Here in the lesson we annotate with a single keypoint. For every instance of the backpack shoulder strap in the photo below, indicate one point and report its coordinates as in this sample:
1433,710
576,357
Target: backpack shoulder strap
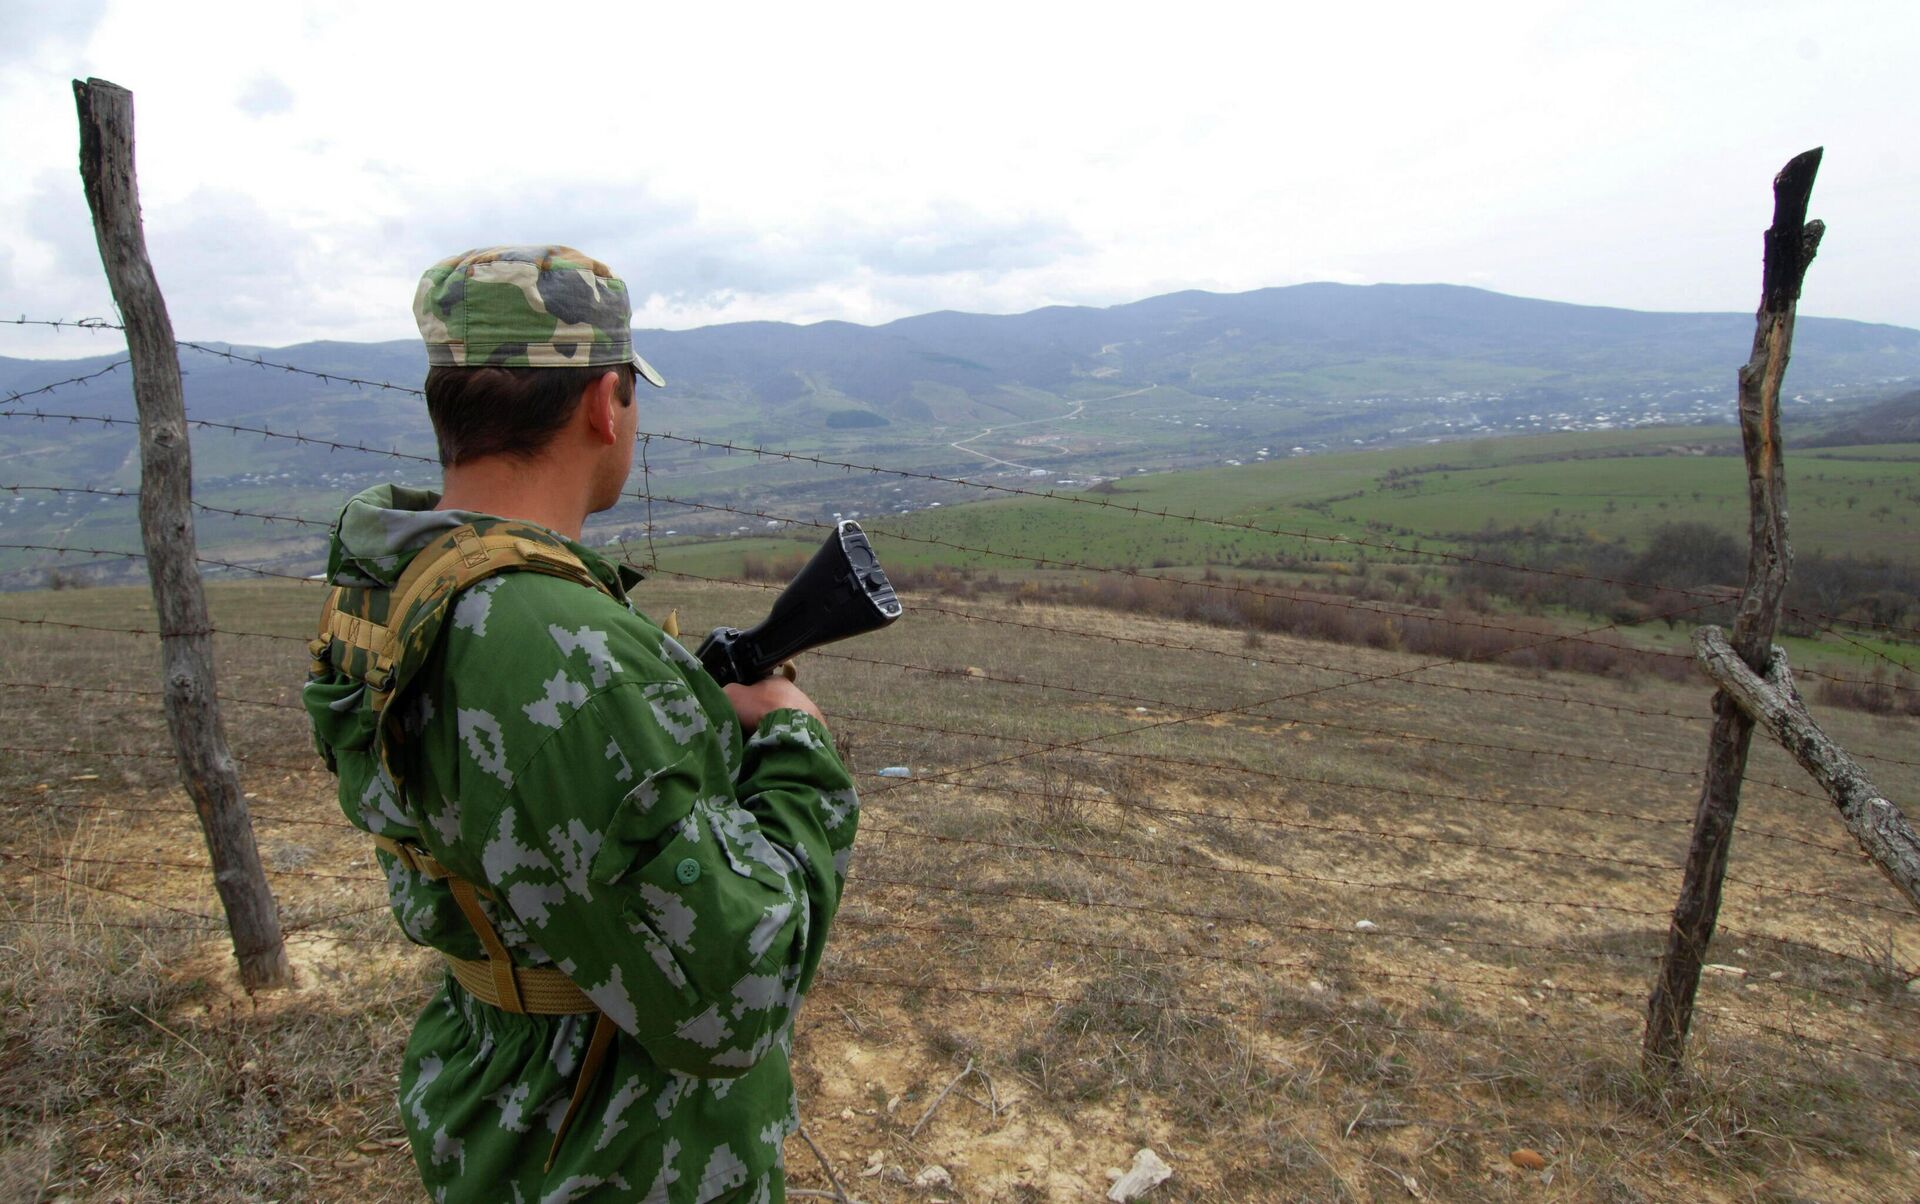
381,636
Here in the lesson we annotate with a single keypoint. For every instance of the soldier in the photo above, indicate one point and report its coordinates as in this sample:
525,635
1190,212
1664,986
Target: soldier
629,871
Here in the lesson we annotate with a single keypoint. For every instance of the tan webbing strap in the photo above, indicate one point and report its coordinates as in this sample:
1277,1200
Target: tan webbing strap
415,858
355,632
506,987
321,645
443,572
352,632
541,990
544,990
473,557
449,569
525,990
590,1063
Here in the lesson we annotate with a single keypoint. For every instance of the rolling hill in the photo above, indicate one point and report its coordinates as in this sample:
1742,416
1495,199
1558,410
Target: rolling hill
1186,380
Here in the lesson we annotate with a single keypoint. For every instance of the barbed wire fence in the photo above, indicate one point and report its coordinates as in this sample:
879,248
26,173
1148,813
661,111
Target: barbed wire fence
969,777
942,877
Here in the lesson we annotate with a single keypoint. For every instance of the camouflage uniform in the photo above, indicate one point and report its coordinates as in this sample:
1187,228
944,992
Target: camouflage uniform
561,752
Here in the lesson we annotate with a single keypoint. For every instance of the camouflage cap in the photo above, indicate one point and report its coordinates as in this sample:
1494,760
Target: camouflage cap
526,307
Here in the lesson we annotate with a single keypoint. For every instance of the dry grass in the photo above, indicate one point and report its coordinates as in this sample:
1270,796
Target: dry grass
1120,970
131,1075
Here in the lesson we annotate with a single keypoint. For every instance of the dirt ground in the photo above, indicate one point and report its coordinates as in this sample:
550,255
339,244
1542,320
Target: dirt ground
1304,938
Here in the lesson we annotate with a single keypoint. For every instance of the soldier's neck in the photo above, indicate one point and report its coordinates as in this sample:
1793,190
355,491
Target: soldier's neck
531,491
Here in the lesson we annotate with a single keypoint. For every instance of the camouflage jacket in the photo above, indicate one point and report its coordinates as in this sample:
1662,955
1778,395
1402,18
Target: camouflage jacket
564,753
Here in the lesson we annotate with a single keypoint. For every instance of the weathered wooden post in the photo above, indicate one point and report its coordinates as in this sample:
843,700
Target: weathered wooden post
1774,703
1790,246
166,529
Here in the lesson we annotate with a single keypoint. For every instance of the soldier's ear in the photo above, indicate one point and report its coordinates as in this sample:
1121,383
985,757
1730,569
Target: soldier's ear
599,403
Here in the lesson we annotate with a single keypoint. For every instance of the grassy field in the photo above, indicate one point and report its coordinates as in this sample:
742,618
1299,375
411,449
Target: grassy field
1845,501
1314,922
1373,509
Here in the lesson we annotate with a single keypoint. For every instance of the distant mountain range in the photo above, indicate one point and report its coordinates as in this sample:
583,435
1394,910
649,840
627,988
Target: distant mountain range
1309,342
1177,380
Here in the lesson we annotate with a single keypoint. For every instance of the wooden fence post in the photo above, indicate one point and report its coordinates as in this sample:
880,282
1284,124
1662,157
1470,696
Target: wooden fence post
166,529
1774,703
1790,246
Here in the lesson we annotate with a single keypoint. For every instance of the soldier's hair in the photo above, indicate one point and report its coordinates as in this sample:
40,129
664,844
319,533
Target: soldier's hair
480,412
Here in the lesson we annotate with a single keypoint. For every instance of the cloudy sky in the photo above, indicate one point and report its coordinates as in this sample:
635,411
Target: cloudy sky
301,163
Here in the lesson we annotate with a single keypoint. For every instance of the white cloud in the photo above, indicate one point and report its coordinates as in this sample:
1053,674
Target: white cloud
869,161
264,96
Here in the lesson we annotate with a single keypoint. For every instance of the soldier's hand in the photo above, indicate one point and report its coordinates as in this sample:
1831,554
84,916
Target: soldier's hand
753,702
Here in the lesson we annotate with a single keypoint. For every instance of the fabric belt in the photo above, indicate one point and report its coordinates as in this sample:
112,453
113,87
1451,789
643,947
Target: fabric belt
497,982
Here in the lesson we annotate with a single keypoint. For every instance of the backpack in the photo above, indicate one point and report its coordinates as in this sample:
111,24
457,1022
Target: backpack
377,639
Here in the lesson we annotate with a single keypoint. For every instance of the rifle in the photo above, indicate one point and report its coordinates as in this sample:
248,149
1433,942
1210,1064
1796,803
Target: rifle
841,592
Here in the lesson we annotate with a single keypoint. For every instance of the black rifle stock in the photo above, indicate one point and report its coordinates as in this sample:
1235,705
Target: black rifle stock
841,592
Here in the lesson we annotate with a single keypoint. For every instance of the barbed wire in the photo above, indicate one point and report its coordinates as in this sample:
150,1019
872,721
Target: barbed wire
1814,618
201,867
13,398
790,455
1040,747
226,353
372,880
1248,656
1211,766
1084,499
836,974
1445,942
1870,650
1710,596
1841,679
65,323
1204,711
65,688
1119,697
300,925
1212,917
210,924
1018,681
53,802
1201,710
108,890
325,377
1903,912
236,428
1254,658
1852,857
96,553
1371,788
1219,586
149,755
1296,825
1184,866
197,504
144,631
1122,698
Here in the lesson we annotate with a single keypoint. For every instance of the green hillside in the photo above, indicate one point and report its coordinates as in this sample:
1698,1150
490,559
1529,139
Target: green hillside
1612,485
1598,507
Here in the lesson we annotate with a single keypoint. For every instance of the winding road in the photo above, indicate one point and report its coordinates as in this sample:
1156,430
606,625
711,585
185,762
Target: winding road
1078,409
